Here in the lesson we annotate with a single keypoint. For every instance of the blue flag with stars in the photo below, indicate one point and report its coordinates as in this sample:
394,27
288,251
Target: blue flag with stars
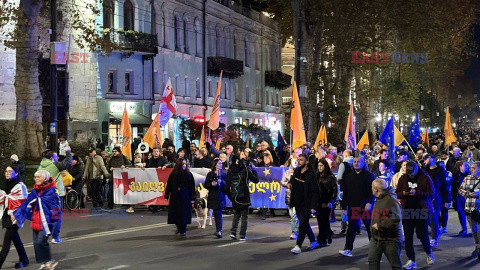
281,144
388,138
414,131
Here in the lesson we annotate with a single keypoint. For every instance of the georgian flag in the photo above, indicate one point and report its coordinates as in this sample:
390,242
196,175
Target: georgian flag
169,104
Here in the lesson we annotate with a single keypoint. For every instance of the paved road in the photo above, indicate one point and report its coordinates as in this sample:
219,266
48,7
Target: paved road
144,241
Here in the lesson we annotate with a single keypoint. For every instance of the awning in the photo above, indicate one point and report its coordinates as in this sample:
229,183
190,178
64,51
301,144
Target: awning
135,118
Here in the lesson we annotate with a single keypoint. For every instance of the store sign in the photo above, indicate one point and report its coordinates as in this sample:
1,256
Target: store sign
118,107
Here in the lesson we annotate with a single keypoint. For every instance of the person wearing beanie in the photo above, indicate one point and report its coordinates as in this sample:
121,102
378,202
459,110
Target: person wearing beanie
19,167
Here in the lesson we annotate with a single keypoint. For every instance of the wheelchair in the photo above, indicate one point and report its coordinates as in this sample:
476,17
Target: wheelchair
72,198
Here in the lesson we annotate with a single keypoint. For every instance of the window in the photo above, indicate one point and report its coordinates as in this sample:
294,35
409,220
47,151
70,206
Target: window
198,88
225,91
238,120
268,98
219,42
257,57
247,54
187,87
247,94
128,16
112,81
258,97
164,28
177,84
278,99
235,45
153,17
210,92
177,31
198,38
237,93
108,11
155,82
129,82
210,42
267,58
185,37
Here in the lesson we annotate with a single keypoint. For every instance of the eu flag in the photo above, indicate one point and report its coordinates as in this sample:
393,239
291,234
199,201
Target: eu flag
388,138
281,144
414,131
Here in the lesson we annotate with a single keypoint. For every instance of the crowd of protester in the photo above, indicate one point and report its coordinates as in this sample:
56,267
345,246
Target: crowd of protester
425,182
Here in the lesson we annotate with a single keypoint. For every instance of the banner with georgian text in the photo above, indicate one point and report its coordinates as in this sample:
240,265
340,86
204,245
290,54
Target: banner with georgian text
147,187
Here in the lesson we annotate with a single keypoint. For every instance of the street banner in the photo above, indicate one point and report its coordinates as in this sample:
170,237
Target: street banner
147,187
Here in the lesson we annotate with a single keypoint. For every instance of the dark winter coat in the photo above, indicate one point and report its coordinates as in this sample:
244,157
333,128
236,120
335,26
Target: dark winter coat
118,161
457,181
246,174
328,189
157,162
216,194
424,191
357,188
306,184
387,214
439,181
202,163
180,192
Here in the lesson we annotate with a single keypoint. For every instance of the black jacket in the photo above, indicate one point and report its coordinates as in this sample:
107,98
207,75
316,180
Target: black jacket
202,163
246,174
357,188
76,172
328,188
216,194
156,162
440,184
306,182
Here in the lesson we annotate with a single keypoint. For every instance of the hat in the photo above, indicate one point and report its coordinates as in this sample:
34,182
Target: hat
117,148
14,157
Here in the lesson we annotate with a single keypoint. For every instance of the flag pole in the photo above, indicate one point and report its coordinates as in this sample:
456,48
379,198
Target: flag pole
409,146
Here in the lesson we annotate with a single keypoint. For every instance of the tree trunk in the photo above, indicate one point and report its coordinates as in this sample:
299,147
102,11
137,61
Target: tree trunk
28,125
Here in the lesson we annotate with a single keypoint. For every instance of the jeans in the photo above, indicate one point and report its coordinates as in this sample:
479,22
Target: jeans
57,225
353,226
433,222
460,208
41,247
304,228
324,230
77,185
11,235
474,228
420,226
240,213
391,249
217,215
294,220
95,189
444,215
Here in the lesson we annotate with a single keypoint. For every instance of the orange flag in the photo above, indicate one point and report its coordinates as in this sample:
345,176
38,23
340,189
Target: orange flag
363,141
215,116
449,136
153,135
324,137
126,135
217,144
296,121
319,138
350,138
202,139
424,136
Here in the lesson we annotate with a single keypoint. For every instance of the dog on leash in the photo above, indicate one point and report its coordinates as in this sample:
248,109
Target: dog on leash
201,209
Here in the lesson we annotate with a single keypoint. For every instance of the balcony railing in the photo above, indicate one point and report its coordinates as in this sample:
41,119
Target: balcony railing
231,68
277,79
133,41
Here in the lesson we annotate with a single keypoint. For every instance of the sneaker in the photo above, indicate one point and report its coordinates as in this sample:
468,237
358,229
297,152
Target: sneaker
476,252
410,265
49,265
233,236
463,233
296,250
314,245
433,243
359,232
329,241
218,234
430,259
243,238
346,253
21,265
293,236
183,234
343,231
56,241
130,210
444,230
332,220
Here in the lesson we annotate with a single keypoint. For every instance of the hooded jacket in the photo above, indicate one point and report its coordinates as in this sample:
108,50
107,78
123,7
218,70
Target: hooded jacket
54,168
387,214
423,192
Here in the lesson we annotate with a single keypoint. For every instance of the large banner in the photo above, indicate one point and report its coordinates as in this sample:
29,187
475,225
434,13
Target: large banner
147,187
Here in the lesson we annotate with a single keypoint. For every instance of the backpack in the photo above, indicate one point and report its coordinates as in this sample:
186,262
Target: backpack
237,187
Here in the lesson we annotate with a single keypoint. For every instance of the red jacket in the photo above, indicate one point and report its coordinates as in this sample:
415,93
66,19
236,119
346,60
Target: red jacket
36,223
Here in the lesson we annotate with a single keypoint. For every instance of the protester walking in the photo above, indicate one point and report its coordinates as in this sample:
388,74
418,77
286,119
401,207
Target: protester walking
180,193
93,175
216,185
470,189
328,188
459,175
